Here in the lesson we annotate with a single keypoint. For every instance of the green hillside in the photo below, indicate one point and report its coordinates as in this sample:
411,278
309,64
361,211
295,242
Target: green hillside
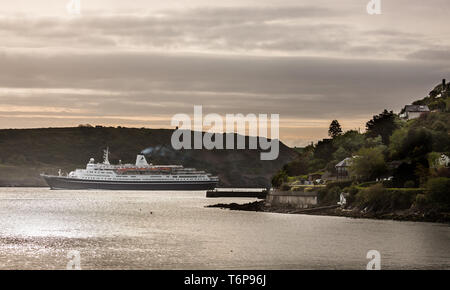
437,99
396,164
24,153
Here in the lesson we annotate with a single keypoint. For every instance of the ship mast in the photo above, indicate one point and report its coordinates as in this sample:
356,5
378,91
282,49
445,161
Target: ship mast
106,156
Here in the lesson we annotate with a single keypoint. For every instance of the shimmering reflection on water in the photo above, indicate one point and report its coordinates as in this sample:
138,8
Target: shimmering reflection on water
173,230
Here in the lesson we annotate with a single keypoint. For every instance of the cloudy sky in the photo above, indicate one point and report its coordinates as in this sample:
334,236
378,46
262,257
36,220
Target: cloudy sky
137,63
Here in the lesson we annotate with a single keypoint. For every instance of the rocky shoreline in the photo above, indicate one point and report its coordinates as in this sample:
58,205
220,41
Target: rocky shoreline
404,215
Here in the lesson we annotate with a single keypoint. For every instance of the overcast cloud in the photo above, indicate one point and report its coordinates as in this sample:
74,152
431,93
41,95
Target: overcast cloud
140,63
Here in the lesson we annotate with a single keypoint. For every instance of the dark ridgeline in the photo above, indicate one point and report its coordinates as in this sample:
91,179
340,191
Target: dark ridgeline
24,153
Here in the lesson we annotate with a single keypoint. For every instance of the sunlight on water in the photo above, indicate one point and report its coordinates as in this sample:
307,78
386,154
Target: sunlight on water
174,230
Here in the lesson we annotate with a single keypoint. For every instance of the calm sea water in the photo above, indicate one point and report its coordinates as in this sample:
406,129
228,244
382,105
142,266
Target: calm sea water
174,230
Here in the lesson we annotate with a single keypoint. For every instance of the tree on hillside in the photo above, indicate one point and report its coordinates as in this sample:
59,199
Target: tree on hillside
279,178
347,143
417,143
396,142
341,154
382,125
369,163
373,142
438,191
324,149
335,129
297,167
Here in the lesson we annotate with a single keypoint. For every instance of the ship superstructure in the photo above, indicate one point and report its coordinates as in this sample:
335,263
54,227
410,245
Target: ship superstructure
138,176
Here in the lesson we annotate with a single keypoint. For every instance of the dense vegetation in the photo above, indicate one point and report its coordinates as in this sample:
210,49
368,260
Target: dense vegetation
26,153
394,165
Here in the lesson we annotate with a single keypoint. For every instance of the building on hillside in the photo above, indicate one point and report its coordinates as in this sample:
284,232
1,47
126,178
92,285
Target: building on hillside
441,90
442,161
343,167
414,111
444,88
314,176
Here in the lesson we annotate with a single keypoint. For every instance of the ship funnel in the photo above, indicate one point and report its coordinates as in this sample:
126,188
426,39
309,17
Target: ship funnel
141,161
106,156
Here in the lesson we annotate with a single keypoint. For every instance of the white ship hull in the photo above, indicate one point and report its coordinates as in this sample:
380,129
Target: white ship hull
139,176
61,182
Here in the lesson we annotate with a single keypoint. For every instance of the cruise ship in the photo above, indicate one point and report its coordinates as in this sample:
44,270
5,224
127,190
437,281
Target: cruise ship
139,176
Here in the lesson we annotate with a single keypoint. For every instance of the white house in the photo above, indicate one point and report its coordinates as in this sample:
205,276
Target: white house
444,160
414,111
343,167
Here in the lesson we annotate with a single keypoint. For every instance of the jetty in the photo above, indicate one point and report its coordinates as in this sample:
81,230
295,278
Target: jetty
260,193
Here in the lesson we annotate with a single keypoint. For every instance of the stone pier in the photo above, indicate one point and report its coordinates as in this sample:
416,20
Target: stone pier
298,199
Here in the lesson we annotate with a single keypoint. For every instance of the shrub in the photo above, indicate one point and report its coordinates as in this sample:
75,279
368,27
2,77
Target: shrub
404,173
439,126
369,164
340,184
367,184
329,196
352,190
443,172
373,197
387,183
296,167
438,191
285,187
279,178
378,198
321,194
417,143
421,200
402,198
409,184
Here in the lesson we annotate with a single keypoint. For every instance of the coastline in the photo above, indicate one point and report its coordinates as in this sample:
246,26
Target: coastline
23,186
403,215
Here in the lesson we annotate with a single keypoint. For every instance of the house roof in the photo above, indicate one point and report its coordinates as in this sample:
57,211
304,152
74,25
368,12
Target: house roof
345,163
416,108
